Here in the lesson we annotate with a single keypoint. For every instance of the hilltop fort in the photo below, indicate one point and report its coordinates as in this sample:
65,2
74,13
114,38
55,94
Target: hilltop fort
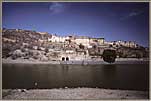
43,46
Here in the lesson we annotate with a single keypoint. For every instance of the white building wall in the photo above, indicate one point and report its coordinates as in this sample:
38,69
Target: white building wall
57,39
84,42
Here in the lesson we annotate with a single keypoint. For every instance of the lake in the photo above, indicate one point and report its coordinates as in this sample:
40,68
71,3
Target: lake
41,76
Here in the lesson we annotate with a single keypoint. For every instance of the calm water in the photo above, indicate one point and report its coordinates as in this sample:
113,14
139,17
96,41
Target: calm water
122,76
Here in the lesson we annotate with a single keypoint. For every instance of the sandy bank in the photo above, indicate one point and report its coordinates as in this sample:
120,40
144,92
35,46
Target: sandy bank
74,93
85,62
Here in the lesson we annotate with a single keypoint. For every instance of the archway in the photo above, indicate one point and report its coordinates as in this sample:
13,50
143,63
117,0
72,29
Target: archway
67,58
63,58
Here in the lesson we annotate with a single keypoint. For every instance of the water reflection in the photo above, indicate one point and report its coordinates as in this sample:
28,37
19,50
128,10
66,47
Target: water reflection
109,70
110,75
65,67
56,76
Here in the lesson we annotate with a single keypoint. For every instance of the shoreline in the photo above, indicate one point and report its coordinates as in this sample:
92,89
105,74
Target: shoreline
82,62
72,93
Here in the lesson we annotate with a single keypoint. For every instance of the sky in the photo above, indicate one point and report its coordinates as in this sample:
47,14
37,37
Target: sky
127,21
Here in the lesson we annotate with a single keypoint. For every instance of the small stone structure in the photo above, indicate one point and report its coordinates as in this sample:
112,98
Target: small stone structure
65,58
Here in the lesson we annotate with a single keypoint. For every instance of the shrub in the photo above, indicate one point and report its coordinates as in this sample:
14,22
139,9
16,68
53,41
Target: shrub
109,55
81,46
138,55
14,57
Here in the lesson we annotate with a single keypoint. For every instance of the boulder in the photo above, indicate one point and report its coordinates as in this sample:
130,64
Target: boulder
43,58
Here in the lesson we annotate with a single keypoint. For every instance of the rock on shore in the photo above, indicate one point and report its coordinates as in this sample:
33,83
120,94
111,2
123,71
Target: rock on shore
73,93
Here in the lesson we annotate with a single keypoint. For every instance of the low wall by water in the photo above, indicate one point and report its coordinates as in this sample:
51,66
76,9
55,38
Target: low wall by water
85,62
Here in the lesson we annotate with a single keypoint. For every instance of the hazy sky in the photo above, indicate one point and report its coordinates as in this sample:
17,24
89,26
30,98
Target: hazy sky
111,20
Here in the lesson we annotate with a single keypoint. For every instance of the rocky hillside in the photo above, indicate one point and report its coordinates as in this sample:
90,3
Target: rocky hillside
13,39
127,52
